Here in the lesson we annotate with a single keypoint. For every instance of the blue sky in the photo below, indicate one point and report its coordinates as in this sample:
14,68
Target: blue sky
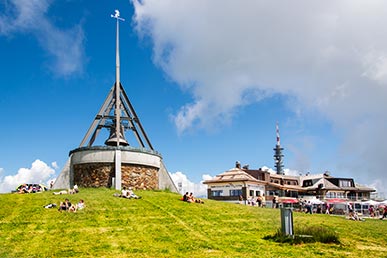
208,79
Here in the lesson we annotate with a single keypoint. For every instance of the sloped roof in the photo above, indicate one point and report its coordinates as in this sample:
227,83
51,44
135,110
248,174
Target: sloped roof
232,175
327,185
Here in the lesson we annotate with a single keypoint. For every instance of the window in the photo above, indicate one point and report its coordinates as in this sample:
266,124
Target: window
331,195
273,192
235,192
251,192
217,193
307,183
345,183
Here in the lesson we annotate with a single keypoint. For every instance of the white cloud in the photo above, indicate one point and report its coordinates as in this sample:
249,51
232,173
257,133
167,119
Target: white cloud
287,171
291,172
54,165
185,185
326,58
39,172
65,46
270,170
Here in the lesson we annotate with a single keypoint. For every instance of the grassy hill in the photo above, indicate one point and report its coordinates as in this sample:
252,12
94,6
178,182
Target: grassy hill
159,225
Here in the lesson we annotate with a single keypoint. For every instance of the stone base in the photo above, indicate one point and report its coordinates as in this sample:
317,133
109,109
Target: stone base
102,174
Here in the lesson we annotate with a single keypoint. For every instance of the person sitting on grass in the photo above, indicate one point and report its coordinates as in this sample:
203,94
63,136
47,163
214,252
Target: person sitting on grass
64,206
131,194
124,193
355,216
191,198
128,193
185,197
23,189
81,204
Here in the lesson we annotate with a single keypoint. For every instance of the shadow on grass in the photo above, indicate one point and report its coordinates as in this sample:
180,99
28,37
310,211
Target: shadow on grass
306,235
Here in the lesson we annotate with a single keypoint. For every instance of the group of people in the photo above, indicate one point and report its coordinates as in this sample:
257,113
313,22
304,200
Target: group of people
68,206
128,193
30,188
260,201
376,211
190,198
70,191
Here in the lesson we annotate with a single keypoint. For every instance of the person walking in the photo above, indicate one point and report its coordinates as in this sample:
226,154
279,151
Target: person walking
384,212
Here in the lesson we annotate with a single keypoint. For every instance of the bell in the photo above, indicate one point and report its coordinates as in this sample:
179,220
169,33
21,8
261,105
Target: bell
112,140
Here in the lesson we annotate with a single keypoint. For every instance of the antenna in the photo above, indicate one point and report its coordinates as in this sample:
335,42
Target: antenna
117,110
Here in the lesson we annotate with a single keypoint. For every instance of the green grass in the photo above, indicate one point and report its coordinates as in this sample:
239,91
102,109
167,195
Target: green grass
159,225
309,234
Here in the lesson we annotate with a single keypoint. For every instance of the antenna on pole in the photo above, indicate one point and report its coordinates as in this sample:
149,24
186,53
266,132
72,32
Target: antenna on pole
277,133
117,110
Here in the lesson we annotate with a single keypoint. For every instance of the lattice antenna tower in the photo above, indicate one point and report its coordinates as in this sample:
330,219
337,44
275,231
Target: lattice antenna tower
278,156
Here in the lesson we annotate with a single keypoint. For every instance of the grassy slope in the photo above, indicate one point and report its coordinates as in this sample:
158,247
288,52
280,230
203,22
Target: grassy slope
159,225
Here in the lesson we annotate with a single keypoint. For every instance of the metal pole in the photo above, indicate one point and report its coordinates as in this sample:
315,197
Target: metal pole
118,104
117,110
118,83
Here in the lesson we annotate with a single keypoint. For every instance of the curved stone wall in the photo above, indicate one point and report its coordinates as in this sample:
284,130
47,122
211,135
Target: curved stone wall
95,167
102,174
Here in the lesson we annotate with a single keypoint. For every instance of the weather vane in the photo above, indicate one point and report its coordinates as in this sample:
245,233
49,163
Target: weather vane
117,15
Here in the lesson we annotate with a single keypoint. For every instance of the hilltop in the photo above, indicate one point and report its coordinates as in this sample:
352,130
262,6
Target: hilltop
160,225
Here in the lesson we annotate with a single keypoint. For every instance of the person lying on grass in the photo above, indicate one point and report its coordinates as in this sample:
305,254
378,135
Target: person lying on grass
64,206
